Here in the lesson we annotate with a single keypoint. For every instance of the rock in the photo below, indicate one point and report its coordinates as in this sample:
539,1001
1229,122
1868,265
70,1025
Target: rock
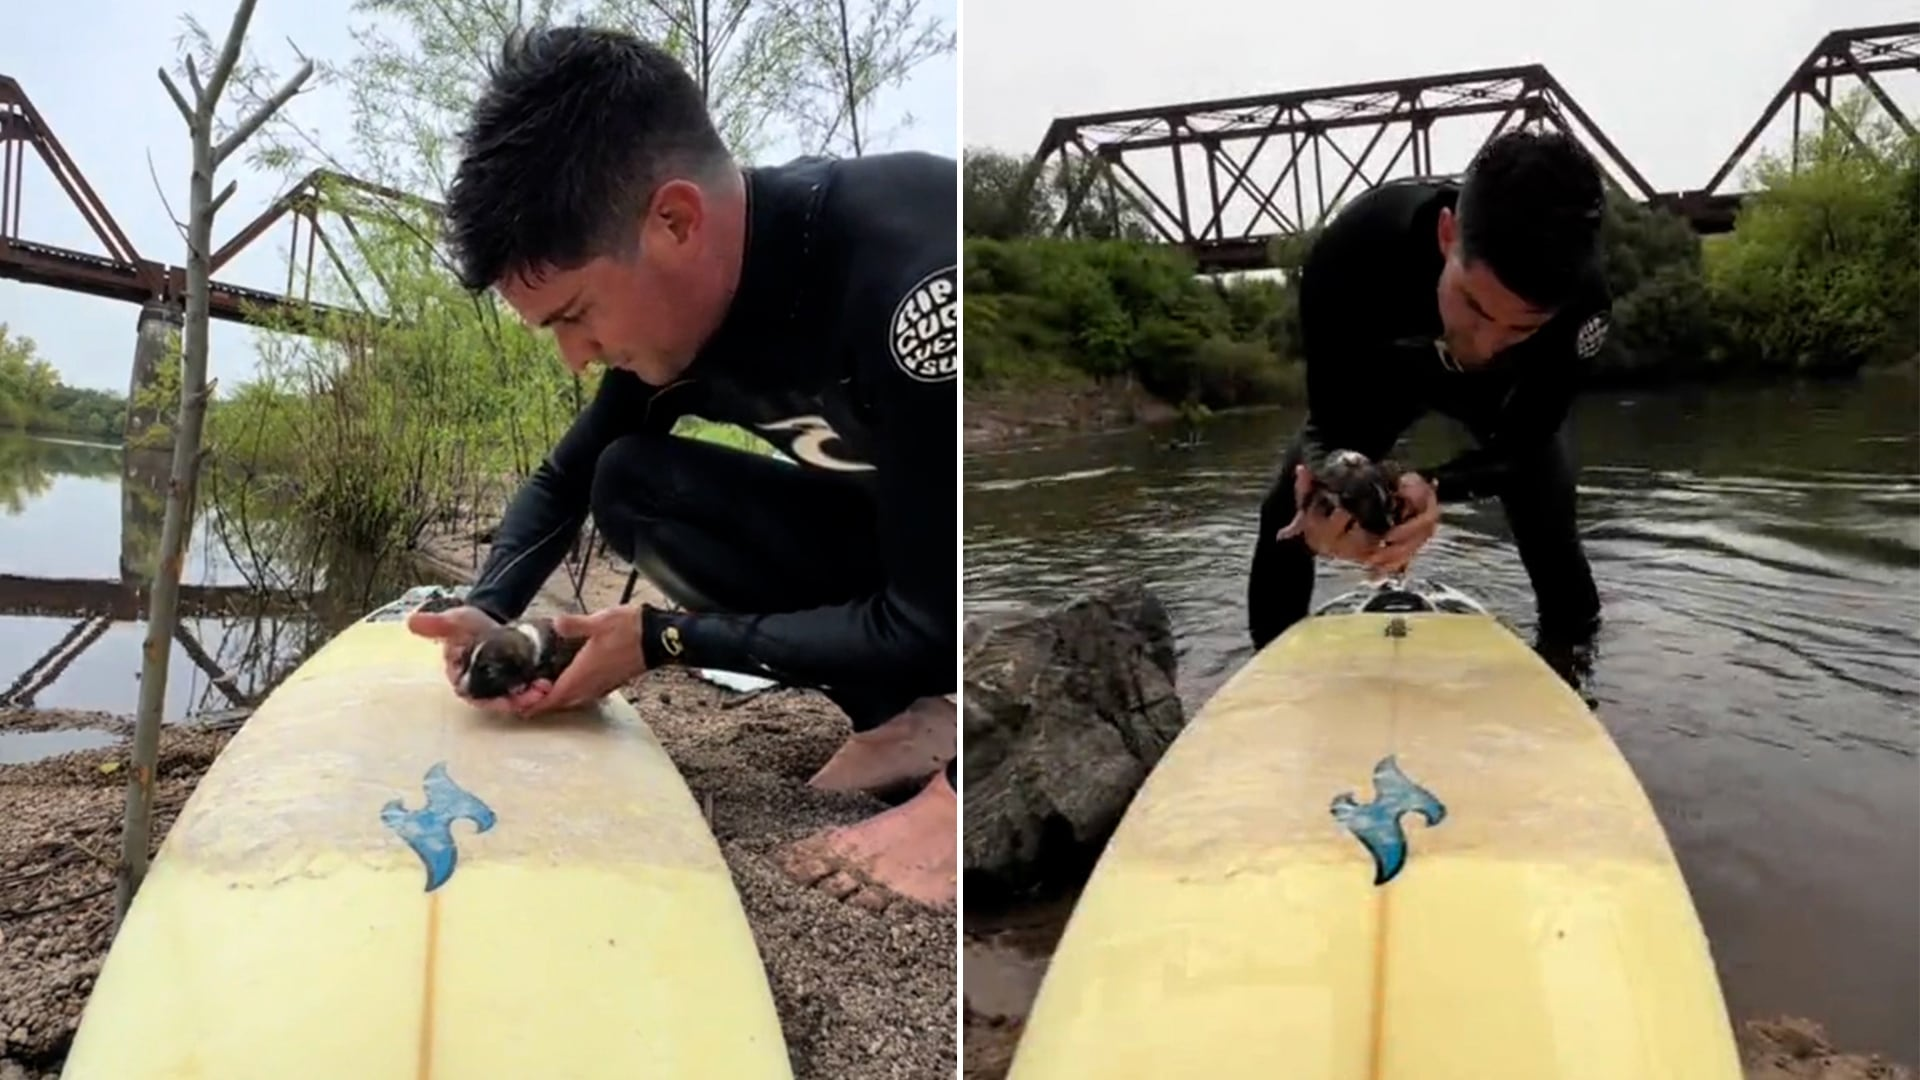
1066,713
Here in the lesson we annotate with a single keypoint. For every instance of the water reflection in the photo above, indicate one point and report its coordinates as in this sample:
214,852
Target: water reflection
80,528
1758,554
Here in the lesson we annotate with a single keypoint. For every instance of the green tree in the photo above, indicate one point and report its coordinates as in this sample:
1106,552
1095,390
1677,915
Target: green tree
1822,271
27,382
375,428
1001,201
33,398
1045,309
847,54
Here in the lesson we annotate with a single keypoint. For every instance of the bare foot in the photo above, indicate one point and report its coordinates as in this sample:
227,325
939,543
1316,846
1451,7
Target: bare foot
913,744
907,851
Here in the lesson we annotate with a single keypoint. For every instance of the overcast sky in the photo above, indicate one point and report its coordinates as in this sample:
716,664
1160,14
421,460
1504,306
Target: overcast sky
1673,83
89,68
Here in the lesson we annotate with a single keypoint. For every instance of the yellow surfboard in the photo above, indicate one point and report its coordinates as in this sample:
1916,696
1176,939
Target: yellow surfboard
375,880
1394,846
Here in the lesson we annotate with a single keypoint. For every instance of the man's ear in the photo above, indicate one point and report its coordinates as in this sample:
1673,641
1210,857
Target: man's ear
678,211
1446,230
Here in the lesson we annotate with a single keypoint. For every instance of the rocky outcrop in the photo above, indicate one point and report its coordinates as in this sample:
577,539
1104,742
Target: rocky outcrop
1066,713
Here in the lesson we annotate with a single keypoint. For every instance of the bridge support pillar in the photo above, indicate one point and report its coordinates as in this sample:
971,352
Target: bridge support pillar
156,340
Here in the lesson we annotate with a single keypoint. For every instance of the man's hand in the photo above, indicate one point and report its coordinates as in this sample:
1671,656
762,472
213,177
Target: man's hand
610,657
457,629
1406,538
1331,534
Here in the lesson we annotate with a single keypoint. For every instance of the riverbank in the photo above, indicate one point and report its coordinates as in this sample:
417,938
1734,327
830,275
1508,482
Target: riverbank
1004,416
1007,957
1001,417
861,996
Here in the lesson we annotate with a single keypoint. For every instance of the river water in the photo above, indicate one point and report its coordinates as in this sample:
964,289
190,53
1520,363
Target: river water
1758,555
79,525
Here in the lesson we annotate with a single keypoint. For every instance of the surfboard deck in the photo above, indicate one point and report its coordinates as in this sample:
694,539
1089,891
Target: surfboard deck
375,880
1526,920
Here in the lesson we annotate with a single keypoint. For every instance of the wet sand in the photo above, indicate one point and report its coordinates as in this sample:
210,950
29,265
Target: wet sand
861,996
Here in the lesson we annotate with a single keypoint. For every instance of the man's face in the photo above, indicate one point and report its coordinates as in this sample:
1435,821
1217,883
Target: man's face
1479,316
646,311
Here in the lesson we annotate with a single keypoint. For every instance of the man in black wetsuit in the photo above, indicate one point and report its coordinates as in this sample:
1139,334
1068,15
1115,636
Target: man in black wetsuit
813,303
1482,301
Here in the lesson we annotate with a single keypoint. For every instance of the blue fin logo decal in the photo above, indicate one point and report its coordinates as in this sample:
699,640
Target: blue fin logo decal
1376,824
429,830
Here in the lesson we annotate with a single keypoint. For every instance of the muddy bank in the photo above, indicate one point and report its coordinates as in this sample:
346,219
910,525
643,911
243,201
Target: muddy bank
862,996
1004,417
1007,957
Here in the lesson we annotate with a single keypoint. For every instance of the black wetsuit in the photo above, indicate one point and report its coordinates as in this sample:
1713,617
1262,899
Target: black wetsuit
837,571
1370,318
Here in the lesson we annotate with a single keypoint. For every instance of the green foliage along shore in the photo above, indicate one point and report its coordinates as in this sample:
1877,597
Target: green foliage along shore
33,399
365,433
1820,276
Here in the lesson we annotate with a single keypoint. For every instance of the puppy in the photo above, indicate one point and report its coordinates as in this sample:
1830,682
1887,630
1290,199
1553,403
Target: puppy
511,658
1367,490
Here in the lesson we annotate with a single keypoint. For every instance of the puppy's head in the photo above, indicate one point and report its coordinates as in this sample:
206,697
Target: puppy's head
501,663
1367,490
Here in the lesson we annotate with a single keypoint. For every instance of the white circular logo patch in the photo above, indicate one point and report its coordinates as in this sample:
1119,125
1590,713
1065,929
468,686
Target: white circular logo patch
1591,335
925,333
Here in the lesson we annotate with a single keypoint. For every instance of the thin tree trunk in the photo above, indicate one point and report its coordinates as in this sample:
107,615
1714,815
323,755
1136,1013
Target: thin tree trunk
853,92
163,613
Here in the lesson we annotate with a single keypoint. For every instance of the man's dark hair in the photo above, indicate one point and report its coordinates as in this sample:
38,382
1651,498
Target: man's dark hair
576,129
1530,209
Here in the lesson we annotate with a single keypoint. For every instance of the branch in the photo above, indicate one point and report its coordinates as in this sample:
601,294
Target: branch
158,190
229,54
221,199
252,123
673,19
725,36
186,111
193,80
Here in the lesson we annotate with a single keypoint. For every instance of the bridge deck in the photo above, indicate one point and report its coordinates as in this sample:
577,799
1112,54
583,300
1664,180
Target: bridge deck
95,275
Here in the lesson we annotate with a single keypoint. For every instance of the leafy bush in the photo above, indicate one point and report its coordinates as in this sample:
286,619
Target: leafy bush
1821,275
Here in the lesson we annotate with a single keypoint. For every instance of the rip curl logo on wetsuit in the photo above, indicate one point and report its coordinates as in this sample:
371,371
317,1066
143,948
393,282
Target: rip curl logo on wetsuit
1591,335
811,437
925,333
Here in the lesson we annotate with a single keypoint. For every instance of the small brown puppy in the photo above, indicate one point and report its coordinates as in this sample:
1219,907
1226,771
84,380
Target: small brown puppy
511,658
1367,490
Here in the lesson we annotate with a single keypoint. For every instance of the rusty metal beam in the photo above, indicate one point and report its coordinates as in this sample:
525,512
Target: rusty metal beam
1297,127
1301,123
122,274
1856,53
34,264
306,197
22,122
1060,130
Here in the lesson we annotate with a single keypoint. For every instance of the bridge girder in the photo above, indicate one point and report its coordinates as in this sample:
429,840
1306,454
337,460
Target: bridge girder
120,272
1231,222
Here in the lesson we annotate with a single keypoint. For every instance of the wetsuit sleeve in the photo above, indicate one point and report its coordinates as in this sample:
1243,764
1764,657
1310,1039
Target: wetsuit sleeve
546,514
904,336
1555,366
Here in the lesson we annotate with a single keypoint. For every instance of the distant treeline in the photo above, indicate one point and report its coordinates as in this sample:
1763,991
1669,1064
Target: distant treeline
1821,275
32,397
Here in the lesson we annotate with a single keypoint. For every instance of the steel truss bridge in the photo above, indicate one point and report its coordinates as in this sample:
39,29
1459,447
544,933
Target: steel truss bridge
1228,176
